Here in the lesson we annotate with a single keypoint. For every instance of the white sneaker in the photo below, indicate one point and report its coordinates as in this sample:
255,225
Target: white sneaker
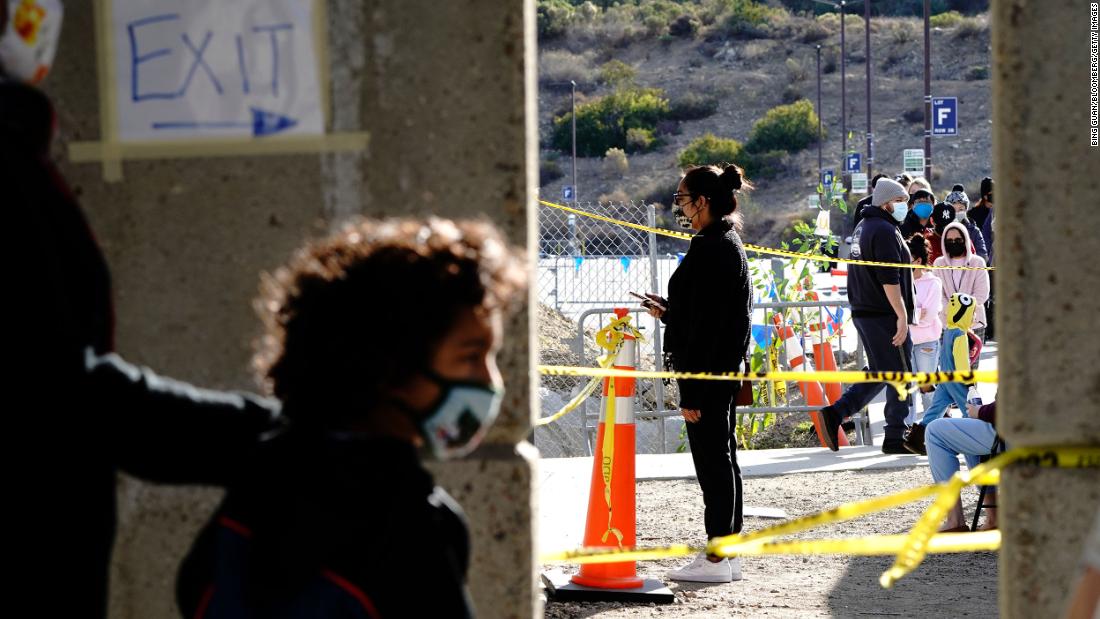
702,569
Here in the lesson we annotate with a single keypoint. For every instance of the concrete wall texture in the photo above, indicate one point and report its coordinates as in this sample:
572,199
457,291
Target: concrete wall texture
446,91
1047,179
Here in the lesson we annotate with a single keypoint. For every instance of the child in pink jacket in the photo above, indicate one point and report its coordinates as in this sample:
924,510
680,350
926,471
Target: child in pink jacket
926,333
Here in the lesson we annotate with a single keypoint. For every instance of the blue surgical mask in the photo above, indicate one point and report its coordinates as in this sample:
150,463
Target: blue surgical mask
922,209
458,421
901,209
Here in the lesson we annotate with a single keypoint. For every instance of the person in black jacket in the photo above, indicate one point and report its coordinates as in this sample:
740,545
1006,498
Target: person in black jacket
707,330
336,512
76,414
882,304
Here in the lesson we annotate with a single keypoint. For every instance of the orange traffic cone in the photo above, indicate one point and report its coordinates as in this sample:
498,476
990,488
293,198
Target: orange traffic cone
823,355
811,390
611,515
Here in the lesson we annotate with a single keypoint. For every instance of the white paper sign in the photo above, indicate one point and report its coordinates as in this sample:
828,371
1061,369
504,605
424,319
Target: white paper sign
189,69
814,201
859,182
822,224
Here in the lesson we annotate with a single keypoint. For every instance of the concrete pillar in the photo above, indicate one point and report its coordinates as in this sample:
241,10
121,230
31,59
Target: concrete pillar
1048,180
449,102
446,91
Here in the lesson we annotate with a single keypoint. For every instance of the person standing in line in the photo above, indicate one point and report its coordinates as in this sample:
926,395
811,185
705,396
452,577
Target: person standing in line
984,216
707,317
961,202
857,214
973,280
882,304
928,327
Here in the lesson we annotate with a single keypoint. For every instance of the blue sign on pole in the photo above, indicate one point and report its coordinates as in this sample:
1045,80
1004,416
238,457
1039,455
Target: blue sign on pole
945,116
567,193
853,163
827,178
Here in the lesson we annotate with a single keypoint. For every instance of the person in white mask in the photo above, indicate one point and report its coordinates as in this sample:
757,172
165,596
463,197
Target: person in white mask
337,511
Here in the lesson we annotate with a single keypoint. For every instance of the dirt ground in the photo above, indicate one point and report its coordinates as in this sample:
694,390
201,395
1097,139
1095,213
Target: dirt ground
945,585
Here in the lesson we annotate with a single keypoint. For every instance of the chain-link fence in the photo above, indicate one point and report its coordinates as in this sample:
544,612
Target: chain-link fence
586,268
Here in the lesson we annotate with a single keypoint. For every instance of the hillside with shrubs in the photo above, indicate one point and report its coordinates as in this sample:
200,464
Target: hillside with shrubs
665,84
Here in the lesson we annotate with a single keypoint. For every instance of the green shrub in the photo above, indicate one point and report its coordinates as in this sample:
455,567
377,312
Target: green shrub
640,140
684,26
559,67
976,73
617,74
603,123
945,20
788,128
971,27
768,164
549,171
692,106
745,18
615,162
553,18
795,71
709,149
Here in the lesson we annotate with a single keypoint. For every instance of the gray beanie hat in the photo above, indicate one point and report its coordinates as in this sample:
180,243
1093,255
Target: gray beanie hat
887,189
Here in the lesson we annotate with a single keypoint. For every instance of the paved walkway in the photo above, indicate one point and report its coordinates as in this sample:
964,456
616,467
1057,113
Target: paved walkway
564,482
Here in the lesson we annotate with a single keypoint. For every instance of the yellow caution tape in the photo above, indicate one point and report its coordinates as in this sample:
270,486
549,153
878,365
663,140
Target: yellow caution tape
611,339
756,248
864,546
911,548
917,542
898,380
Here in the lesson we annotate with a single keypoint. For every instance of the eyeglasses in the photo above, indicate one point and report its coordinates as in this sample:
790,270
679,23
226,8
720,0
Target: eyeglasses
676,197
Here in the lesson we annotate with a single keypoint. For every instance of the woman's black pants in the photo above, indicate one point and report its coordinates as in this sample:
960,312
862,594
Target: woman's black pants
714,451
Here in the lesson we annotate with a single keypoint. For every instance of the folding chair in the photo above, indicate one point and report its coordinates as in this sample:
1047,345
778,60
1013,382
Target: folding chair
998,448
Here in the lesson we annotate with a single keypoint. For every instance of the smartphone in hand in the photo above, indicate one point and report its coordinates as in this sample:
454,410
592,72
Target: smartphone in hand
648,302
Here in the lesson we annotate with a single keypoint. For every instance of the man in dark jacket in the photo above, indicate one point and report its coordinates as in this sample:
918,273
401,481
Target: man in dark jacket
882,302
77,414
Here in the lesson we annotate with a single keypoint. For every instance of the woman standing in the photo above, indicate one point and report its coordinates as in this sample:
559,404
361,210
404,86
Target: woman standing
957,252
707,330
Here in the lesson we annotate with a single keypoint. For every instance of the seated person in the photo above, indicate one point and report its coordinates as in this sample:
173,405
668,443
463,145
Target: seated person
380,340
972,436
954,356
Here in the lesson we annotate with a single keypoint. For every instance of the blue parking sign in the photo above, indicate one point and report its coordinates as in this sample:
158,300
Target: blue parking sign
853,163
567,193
945,116
827,177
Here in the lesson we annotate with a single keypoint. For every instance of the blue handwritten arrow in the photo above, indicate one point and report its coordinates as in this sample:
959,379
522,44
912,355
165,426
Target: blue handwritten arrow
263,123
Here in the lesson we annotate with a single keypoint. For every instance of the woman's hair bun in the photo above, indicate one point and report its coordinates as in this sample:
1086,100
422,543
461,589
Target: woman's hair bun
731,177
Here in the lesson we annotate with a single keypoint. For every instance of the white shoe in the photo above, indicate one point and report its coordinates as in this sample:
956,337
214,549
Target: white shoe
703,570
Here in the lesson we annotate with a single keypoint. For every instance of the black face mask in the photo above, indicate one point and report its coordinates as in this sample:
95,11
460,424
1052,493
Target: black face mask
955,247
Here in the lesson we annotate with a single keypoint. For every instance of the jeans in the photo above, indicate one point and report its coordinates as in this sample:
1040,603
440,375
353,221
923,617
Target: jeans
926,358
876,333
946,438
714,452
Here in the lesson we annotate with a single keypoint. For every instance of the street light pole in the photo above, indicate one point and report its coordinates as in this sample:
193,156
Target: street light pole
927,91
867,44
573,105
819,134
843,92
